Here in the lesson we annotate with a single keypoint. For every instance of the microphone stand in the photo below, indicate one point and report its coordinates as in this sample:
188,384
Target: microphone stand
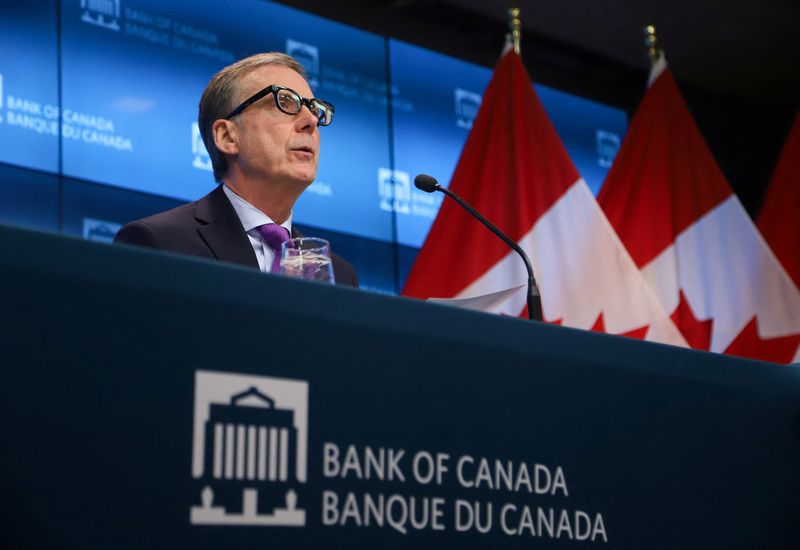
534,299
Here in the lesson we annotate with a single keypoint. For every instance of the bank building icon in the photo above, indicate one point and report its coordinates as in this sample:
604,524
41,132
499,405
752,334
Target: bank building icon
102,13
249,452
394,190
308,56
608,144
100,230
466,106
202,161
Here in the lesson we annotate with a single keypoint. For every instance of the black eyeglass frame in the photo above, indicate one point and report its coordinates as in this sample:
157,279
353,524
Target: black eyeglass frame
274,89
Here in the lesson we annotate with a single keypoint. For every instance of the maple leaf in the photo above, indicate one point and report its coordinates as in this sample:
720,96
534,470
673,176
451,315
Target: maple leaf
696,332
749,344
637,333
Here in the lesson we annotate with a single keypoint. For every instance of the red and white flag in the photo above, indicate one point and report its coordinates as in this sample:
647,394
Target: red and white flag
514,170
695,244
779,218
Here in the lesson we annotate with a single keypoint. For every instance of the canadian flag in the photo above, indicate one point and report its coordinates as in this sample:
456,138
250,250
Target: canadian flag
779,218
515,171
695,244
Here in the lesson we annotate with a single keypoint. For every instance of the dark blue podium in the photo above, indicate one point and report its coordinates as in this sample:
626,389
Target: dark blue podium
153,401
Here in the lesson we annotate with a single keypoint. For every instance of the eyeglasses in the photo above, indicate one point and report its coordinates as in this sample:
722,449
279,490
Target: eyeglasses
290,102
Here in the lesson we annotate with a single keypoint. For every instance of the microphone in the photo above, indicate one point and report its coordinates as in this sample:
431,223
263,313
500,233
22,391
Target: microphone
427,183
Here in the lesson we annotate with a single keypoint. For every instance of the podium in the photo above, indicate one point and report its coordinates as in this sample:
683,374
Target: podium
155,401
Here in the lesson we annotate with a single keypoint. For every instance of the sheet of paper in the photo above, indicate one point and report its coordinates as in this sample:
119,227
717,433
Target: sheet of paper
486,302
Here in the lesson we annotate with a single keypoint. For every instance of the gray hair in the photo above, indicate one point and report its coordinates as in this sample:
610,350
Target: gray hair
220,98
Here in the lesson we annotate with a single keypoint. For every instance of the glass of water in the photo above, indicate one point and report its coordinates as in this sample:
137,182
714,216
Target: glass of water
307,258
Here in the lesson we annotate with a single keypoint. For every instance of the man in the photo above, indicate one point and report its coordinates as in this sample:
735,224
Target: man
260,124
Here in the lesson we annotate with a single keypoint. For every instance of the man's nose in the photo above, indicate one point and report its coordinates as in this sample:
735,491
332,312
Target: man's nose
306,120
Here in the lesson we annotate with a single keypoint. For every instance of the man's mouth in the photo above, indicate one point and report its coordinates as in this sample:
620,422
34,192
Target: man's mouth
303,149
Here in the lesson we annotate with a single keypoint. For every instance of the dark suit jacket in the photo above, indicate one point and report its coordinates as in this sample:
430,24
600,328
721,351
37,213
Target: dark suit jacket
209,228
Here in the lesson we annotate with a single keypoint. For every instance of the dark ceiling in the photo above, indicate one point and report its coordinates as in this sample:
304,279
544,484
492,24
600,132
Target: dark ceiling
735,61
747,51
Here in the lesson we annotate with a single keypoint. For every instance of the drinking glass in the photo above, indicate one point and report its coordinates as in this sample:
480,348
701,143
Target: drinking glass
307,258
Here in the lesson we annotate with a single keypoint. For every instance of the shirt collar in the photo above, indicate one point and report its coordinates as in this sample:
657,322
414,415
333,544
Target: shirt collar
250,216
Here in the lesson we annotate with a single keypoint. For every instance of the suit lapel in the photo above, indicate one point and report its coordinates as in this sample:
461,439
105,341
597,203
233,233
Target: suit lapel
222,231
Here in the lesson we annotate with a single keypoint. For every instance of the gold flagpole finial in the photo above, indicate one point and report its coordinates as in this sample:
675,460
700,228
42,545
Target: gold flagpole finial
650,40
515,27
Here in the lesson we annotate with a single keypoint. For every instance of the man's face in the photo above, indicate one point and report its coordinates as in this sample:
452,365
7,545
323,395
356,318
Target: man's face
274,147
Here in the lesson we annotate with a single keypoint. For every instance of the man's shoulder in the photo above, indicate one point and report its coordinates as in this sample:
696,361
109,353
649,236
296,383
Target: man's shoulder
174,230
156,230
187,216
176,217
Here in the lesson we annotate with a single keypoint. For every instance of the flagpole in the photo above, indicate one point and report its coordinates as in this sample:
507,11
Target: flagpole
651,41
515,29
533,299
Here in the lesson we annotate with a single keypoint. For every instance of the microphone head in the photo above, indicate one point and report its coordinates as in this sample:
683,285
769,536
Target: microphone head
426,183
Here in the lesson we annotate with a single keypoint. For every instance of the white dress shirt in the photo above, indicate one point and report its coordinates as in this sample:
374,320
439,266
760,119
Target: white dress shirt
252,218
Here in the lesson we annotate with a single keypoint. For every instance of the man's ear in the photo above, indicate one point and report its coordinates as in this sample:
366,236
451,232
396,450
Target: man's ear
225,137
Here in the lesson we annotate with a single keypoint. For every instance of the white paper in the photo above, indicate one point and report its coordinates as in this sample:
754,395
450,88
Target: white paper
485,302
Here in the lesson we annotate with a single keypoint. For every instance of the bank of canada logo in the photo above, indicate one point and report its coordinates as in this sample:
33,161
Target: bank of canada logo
99,230
201,159
103,13
308,56
467,105
607,146
250,449
394,190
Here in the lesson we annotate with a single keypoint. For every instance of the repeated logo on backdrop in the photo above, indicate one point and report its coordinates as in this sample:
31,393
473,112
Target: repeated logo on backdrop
101,231
29,114
608,144
154,28
102,13
396,194
308,56
394,190
466,106
202,161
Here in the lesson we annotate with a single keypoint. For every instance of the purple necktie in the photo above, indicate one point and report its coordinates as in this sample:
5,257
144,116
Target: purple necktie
274,235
